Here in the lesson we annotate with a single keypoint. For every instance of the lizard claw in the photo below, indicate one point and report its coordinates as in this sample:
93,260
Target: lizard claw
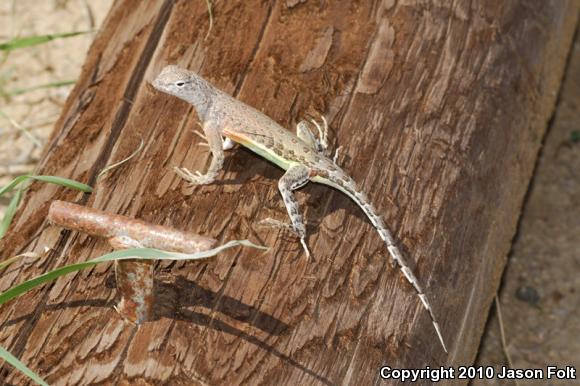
194,179
303,242
201,135
322,141
335,158
270,222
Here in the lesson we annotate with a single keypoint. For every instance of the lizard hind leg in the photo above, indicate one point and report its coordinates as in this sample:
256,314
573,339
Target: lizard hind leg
295,177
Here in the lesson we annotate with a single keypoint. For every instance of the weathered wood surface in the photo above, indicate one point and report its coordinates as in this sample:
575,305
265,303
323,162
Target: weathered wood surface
440,107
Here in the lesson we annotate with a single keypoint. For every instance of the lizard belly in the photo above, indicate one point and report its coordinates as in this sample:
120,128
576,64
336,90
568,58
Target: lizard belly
258,148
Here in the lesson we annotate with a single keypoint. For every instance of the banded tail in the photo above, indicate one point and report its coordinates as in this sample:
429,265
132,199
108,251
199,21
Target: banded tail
345,184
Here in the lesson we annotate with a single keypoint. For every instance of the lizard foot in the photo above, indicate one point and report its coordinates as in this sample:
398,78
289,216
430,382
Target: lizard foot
201,135
194,179
270,222
322,140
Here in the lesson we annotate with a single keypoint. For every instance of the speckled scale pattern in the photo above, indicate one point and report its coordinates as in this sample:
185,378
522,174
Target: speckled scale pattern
264,131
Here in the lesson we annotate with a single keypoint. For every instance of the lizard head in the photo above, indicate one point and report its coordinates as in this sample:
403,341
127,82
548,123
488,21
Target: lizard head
175,81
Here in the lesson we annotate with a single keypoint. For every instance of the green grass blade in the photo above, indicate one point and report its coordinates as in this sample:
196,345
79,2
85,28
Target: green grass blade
10,211
13,184
64,182
30,41
49,179
9,358
134,253
19,91
35,282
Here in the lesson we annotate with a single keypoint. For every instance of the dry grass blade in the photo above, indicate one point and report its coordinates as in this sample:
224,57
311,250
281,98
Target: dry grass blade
14,259
502,336
210,12
117,164
23,130
39,87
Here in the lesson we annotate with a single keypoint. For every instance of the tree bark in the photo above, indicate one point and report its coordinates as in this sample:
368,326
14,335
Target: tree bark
440,108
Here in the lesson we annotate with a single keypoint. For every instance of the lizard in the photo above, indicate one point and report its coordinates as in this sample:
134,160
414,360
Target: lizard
226,120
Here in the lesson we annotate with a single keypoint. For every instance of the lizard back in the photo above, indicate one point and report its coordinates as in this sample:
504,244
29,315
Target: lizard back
261,134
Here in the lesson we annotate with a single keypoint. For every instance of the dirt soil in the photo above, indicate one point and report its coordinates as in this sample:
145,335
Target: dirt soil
540,295
27,119
539,300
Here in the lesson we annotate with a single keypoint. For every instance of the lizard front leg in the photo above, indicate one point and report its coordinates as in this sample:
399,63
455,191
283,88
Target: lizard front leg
216,146
227,144
295,177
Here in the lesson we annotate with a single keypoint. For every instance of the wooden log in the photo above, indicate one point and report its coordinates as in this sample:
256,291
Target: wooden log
440,109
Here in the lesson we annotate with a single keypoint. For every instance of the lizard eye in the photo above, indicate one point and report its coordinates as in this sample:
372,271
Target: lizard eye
180,84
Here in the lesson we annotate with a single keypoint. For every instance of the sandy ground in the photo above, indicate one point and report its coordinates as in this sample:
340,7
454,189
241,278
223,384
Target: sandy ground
540,296
27,119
